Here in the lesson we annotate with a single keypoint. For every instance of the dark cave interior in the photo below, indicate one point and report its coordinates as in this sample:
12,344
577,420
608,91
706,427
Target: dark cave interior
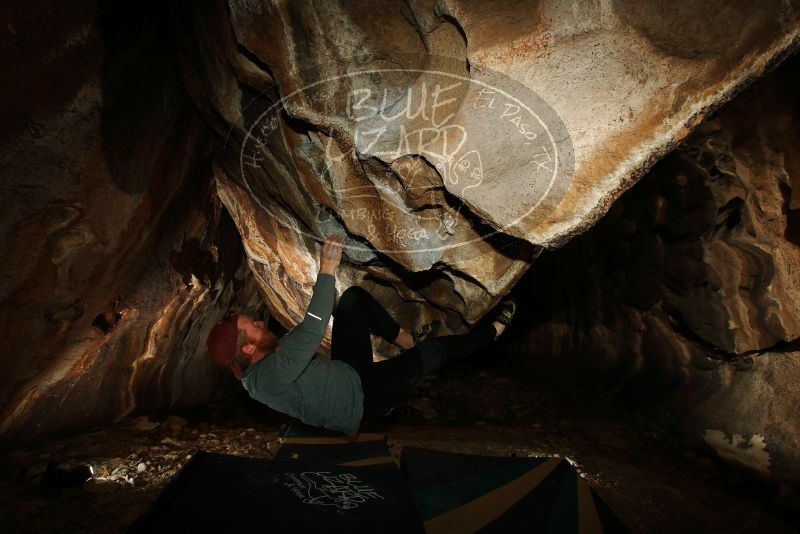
656,343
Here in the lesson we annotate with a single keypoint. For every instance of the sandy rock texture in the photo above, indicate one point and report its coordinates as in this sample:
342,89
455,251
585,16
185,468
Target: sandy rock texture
685,296
450,172
118,256
165,165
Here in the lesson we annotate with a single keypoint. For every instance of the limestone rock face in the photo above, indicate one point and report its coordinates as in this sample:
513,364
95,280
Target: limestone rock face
451,141
118,256
546,114
165,166
685,296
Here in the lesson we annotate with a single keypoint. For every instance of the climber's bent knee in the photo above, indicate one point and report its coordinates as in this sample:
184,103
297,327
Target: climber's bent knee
350,296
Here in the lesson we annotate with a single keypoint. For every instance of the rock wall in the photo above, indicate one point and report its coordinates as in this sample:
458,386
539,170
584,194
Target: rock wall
148,149
118,255
685,297
309,98
682,296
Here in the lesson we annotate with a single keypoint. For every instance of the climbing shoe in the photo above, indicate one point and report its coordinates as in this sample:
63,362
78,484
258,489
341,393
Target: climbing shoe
426,331
506,312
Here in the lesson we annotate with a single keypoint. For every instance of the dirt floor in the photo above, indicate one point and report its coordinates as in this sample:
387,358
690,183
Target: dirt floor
653,484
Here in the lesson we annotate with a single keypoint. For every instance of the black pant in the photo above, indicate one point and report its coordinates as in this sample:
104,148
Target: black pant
385,383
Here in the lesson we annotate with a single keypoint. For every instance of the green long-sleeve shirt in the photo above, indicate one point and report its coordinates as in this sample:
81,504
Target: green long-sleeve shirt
318,391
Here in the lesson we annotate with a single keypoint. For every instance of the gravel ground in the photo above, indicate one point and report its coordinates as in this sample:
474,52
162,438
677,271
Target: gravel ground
652,483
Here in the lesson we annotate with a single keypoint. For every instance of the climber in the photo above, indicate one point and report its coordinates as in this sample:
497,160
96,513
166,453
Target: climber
339,392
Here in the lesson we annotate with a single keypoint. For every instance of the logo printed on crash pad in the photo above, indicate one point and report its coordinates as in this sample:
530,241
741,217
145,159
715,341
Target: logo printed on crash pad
345,491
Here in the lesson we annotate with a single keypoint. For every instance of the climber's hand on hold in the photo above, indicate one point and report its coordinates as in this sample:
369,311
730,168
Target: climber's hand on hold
331,254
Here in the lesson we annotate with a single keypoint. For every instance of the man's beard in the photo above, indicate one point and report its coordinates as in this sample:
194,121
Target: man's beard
266,342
